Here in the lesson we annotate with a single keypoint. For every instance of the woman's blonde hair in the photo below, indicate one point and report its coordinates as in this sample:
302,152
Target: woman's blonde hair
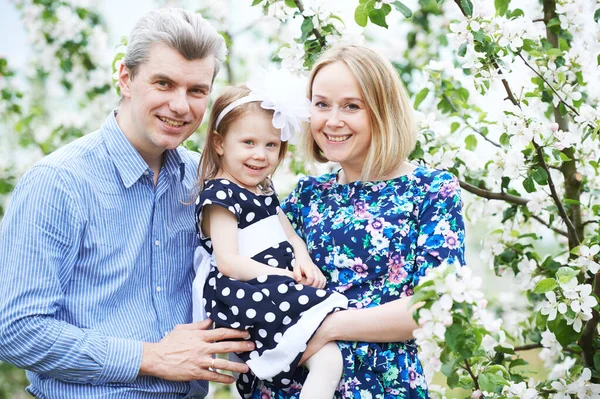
210,161
394,132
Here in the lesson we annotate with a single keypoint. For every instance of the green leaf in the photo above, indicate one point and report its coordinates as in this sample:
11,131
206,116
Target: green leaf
452,381
565,274
361,15
563,156
454,126
377,16
564,333
471,142
467,6
545,285
462,50
255,2
403,9
529,185
291,3
501,6
517,362
597,15
540,176
420,97
307,28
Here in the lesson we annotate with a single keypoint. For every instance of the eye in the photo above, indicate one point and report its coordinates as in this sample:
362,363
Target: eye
273,145
162,83
320,104
352,107
198,92
249,142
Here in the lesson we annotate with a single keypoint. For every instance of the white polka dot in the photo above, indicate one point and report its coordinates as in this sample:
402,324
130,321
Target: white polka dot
209,243
269,379
204,302
268,201
197,200
258,344
212,281
235,310
303,300
231,209
221,316
250,313
286,369
256,202
235,324
285,381
262,279
268,256
230,192
240,293
219,275
284,306
270,317
288,249
275,246
293,262
224,181
207,202
286,320
238,208
250,217
298,287
266,292
257,297
282,288
263,333
321,293
213,303
277,337
242,196
273,262
221,195
207,314
226,291
245,378
254,355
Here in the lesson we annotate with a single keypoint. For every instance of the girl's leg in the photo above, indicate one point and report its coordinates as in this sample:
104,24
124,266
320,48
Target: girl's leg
325,371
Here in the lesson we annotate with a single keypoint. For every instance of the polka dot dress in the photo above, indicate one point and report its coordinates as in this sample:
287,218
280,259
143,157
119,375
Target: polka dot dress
280,315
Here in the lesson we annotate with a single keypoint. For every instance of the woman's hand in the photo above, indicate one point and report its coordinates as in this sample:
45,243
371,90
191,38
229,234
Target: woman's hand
321,337
307,273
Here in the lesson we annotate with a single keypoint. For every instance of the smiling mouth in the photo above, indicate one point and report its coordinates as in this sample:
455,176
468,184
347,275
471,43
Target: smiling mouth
337,139
255,167
171,122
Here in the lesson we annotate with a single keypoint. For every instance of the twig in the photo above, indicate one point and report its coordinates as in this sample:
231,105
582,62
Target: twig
561,209
555,229
586,342
468,123
317,34
528,347
492,195
539,20
590,222
475,380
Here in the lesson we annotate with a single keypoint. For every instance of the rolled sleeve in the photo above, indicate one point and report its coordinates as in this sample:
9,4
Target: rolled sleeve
122,361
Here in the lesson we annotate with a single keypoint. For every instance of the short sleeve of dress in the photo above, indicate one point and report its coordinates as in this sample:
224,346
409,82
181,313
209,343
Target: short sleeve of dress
441,232
216,192
292,207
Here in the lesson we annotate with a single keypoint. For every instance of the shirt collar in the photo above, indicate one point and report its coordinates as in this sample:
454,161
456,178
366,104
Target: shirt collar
128,161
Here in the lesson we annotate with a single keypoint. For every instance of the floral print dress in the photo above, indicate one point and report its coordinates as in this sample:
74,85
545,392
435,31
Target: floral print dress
374,241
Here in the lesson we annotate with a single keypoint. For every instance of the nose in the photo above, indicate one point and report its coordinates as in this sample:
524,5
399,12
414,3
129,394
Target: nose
259,153
334,118
179,102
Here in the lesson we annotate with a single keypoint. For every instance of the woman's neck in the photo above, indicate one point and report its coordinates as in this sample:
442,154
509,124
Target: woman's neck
346,175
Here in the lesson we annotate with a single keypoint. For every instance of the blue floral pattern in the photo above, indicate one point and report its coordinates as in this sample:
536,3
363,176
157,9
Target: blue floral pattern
374,241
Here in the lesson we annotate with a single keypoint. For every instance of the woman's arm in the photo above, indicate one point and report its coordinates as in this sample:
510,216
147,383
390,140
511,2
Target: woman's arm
222,228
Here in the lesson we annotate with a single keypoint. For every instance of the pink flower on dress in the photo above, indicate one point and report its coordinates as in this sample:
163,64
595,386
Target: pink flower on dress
396,274
375,226
448,189
451,240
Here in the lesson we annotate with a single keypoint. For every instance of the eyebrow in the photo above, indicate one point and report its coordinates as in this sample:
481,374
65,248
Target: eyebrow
160,76
344,99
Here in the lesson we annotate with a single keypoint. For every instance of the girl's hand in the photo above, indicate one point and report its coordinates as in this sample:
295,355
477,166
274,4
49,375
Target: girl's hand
307,273
320,338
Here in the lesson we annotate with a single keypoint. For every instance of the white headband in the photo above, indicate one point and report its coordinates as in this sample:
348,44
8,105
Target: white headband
281,92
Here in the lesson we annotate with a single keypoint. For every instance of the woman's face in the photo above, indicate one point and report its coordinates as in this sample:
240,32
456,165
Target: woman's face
340,121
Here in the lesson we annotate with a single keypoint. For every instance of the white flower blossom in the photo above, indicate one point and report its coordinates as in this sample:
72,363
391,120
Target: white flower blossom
552,306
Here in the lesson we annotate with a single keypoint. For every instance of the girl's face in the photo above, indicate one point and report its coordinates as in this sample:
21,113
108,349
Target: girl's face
339,120
249,150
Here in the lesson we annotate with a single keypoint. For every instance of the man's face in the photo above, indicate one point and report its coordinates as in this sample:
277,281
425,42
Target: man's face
164,103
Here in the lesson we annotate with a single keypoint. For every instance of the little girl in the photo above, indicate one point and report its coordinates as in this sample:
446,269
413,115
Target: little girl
260,275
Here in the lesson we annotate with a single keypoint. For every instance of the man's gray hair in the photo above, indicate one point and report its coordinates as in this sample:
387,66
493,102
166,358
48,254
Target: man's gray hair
185,31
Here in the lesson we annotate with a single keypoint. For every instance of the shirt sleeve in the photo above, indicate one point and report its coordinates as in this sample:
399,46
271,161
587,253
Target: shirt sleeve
441,232
40,238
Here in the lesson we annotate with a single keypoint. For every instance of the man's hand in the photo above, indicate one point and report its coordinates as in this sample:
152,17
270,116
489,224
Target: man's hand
307,273
186,353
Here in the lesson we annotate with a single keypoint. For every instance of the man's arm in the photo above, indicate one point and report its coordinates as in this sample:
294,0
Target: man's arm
40,239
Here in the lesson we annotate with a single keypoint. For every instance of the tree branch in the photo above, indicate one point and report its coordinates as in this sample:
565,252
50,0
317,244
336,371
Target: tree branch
586,342
572,233
481,192
528,347
555,229
445,97
317,34
475,380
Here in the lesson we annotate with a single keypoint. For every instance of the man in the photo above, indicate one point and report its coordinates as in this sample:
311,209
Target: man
96,246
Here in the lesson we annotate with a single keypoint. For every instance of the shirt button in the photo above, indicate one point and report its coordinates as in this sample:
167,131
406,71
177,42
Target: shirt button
158,289
157,243
146,173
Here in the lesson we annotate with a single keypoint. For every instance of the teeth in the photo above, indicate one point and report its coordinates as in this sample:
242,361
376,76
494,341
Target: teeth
171,122
254,167
337,139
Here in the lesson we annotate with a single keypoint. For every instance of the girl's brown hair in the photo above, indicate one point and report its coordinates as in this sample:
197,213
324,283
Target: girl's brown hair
210,161
390,110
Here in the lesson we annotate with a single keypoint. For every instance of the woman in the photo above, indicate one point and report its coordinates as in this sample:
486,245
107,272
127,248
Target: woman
375,226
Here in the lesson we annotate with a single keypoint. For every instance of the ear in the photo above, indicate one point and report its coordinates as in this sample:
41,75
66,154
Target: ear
125,81
218,143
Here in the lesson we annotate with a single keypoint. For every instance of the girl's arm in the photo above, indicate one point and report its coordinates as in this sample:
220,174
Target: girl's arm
224,238
304,265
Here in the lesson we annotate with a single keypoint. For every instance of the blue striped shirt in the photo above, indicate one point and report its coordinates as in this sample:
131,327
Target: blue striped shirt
94,261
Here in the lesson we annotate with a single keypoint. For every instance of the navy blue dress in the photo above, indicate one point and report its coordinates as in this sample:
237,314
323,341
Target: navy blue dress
280,314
